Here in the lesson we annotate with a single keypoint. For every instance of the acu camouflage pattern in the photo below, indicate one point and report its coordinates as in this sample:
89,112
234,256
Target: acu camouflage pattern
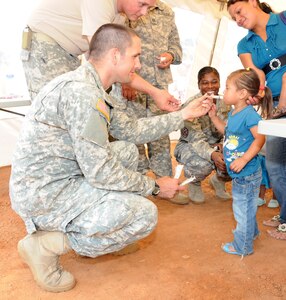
196,143
44,61
67,177
159,34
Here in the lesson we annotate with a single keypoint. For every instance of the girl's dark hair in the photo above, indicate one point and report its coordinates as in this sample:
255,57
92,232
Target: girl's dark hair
263,6
248,79
206,70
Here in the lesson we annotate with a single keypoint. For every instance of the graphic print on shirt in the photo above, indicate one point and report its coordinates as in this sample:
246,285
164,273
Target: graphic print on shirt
230,145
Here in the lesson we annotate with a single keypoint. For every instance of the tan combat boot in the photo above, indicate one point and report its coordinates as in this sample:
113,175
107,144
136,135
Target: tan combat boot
195,193
40,251
219,187
180,199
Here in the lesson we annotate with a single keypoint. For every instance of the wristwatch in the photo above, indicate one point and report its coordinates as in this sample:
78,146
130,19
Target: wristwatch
156,190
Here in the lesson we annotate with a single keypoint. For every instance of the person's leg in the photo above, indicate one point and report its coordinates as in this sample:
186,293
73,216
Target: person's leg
194,165
245,192
118,220
45,61
138,108
143,161
219,186
159,152
41,251
262,191
276,167
160,157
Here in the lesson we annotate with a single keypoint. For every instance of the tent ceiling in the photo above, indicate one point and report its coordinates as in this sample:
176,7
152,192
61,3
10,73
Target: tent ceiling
216,8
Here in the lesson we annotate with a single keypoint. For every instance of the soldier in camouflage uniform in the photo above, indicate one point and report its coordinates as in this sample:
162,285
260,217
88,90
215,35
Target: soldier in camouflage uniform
74,189
200,144
160,48
58,32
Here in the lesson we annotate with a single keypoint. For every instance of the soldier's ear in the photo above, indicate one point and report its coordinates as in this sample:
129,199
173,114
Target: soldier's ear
115,54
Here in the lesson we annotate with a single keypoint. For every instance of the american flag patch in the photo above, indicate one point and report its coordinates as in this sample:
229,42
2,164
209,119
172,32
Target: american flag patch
103,109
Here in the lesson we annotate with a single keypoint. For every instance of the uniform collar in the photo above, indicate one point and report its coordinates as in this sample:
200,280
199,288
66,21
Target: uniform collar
95,79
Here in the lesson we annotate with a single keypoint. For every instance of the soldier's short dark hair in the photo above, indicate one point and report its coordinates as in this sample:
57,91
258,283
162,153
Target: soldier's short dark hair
110,36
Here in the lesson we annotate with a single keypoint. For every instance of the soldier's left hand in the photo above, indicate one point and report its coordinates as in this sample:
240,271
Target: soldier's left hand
165,101
164,60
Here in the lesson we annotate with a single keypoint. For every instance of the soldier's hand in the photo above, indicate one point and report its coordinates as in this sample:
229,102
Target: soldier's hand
217,158
165,101
164,60
128,92
168,187
197,107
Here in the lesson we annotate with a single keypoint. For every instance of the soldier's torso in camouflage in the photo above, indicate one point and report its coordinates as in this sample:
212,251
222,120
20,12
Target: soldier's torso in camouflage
195,145
66,175
159,34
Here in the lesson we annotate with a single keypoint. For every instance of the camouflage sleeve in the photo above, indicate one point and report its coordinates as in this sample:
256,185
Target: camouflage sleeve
88,129
222,110
125,126
174,46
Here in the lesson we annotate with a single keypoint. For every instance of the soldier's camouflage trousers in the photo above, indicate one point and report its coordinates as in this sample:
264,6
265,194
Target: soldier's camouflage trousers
108,223
195,165
43,61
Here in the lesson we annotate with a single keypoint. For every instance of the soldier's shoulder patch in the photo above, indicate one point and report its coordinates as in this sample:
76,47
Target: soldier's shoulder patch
103,108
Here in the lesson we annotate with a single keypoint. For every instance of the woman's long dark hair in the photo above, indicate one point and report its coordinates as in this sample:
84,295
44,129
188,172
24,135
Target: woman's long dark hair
263,6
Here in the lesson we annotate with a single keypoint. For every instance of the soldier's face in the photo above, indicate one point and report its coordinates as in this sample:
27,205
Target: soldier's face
209,83
129,61
134,9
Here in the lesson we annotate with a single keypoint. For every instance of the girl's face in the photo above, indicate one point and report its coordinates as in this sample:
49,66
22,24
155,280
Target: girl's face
231,94
209,83
244,13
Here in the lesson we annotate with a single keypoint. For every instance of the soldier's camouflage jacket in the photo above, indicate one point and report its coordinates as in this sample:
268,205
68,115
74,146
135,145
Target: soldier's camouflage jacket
159,34
64,147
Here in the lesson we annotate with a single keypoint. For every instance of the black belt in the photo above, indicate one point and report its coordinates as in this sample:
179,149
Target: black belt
274,64
276,98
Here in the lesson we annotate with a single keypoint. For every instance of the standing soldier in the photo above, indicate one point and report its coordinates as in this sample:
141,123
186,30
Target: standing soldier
160,48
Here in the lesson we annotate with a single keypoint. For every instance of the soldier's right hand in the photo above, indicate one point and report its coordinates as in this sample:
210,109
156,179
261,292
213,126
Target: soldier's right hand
198,107
168,187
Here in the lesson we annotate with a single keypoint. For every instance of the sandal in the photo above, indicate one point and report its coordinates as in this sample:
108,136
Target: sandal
274,222
279,233
226,248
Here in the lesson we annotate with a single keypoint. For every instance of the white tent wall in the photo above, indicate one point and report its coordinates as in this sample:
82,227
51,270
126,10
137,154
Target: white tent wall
213,47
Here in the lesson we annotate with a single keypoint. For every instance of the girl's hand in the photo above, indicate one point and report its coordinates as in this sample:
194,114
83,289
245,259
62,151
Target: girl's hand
238,164
212,111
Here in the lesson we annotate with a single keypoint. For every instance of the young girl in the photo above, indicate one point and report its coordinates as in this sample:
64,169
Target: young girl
241,146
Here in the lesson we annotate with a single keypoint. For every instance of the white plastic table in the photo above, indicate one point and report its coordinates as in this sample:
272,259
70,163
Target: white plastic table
273,127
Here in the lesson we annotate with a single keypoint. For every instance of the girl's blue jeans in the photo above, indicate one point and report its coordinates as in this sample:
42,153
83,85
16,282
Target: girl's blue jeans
245,191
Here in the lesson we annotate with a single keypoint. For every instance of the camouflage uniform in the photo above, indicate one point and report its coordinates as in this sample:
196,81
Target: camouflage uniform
67,177
159,34
196,143
44,61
